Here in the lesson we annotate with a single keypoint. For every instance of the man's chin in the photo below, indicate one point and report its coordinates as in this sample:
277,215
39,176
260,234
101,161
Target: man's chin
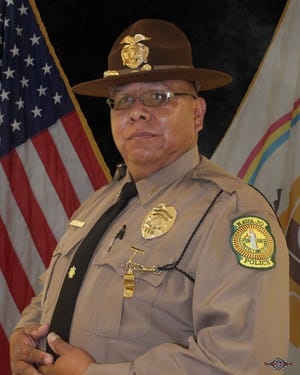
143,156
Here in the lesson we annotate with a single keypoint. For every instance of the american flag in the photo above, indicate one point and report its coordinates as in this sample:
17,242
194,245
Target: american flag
49,161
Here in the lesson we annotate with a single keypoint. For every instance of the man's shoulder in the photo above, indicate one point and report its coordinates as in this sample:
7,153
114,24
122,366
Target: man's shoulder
210,172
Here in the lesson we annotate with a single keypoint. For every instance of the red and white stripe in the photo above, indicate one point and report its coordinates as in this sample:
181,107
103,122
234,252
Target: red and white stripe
42,182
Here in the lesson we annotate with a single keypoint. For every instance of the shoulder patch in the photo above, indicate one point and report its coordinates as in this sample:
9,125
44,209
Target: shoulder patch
252,242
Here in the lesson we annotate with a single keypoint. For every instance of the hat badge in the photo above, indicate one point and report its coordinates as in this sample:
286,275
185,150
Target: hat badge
134,53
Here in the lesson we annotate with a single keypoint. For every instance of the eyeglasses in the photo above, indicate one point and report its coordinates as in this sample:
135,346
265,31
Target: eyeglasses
153,98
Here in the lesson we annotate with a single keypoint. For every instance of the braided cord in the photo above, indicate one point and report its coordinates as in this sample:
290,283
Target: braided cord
173,266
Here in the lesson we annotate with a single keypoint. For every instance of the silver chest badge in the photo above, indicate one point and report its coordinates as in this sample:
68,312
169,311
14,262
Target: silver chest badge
158,221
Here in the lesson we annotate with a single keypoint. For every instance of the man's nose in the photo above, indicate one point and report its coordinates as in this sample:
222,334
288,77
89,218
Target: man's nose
139,111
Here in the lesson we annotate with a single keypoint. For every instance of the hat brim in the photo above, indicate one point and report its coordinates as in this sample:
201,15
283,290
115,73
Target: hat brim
208,80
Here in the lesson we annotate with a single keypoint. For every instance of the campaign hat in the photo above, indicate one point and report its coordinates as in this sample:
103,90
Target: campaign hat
151,50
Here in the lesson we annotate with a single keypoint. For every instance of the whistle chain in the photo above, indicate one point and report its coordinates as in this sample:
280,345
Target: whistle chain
131,267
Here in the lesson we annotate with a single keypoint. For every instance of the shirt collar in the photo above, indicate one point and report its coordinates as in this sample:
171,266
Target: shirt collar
149,187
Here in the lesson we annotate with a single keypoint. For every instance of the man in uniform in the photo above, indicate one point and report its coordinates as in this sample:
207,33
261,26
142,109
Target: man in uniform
191,277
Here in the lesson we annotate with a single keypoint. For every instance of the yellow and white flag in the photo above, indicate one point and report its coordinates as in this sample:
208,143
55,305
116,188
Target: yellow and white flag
262,146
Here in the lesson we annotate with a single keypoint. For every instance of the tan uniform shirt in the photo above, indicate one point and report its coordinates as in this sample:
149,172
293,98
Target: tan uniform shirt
212,314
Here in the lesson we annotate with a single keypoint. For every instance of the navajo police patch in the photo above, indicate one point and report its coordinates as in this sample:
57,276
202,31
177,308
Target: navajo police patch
253,243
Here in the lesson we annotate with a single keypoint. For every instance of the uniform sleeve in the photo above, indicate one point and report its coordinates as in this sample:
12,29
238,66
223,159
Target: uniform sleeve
240,314
31,315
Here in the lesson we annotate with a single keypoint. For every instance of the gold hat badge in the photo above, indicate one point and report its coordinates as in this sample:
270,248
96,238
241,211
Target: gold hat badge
135,53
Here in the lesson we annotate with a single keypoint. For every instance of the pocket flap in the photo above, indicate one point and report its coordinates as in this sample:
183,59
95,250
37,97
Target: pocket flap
145,256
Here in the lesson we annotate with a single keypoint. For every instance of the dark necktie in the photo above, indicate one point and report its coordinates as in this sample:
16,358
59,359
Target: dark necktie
63,312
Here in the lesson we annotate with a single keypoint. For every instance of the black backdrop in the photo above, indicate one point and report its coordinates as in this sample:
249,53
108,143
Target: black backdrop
228,35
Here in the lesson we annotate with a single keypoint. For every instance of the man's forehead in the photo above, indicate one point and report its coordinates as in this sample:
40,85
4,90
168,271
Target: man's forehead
151,84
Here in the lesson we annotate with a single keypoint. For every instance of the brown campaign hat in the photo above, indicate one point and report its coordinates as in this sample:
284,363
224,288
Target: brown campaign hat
151,50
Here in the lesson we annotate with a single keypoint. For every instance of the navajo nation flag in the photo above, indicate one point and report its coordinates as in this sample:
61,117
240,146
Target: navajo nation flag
49,161
262,146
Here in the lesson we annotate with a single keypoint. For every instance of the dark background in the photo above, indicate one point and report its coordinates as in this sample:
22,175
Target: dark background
228,35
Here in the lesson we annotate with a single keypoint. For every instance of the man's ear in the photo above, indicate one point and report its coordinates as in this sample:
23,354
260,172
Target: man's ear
199,112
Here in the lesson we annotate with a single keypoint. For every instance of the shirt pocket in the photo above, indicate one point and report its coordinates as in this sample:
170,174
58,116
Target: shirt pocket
57,269
103,310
